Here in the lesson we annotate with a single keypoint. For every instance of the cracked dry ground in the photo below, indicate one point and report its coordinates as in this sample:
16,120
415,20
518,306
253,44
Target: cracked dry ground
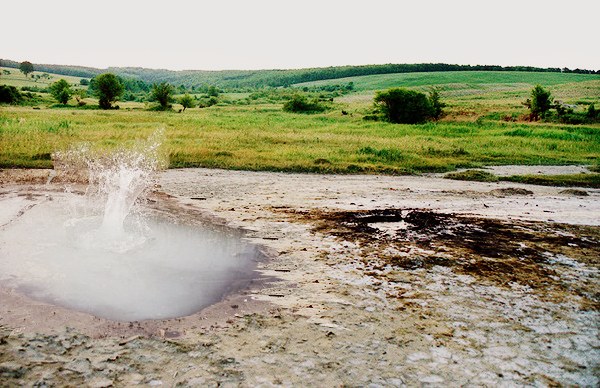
383,297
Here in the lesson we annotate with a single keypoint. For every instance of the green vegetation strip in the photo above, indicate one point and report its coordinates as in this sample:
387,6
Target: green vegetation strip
472,175
591,180
571,180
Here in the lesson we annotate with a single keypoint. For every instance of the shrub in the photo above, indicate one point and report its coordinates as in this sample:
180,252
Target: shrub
300,104
207,102
592,113
187,101
541,102
36,89
437,105
10,95
573,118
61,91
404,106
212,91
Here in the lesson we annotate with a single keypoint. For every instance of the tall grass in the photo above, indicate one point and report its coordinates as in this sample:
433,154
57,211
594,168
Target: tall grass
263,137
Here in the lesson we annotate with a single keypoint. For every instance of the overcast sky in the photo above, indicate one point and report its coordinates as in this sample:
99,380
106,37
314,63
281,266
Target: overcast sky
264,34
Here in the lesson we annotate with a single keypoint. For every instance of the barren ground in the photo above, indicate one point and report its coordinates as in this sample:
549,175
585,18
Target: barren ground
372,280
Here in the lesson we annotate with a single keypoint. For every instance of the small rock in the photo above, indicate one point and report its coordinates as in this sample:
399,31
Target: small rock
432,379
418,356
12,370
99,382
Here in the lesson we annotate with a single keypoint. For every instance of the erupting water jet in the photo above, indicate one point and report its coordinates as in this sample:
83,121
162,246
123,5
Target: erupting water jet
106,254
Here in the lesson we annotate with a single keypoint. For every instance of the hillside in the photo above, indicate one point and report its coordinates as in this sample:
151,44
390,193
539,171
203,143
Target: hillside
13,77
455,80
248,79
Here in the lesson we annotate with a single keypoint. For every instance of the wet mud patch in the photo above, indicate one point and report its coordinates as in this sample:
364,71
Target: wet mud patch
557,261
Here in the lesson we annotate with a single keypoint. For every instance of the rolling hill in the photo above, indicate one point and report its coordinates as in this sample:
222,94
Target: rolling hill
249,79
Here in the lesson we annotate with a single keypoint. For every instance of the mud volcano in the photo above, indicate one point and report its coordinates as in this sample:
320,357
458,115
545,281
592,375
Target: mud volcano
106,254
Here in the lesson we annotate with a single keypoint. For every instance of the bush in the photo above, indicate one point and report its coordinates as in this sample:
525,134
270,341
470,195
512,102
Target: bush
35,89
573,118
592,113
213,91
187,101
61,91
437,105
300,104
207,102
404,106
540,103
10,95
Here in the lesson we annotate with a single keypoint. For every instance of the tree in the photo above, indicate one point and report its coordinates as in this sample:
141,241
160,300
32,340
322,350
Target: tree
436,103
404,106
213,91
163,93
108,88
61,90
187,101
540,103
26,67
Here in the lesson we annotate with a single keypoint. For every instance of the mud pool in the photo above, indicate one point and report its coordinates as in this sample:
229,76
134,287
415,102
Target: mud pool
153,269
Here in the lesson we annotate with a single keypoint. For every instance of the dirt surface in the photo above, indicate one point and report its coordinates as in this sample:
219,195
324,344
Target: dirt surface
372,280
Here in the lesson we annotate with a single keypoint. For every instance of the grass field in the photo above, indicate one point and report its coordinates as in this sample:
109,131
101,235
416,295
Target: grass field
461,80
263,137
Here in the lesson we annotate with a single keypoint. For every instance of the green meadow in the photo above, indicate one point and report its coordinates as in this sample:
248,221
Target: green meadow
13,77
479,129
460,80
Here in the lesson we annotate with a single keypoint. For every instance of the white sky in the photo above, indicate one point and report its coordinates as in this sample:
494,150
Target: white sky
261,34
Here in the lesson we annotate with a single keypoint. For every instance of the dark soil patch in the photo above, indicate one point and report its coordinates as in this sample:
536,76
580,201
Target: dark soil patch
574,192
496,251
508,191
